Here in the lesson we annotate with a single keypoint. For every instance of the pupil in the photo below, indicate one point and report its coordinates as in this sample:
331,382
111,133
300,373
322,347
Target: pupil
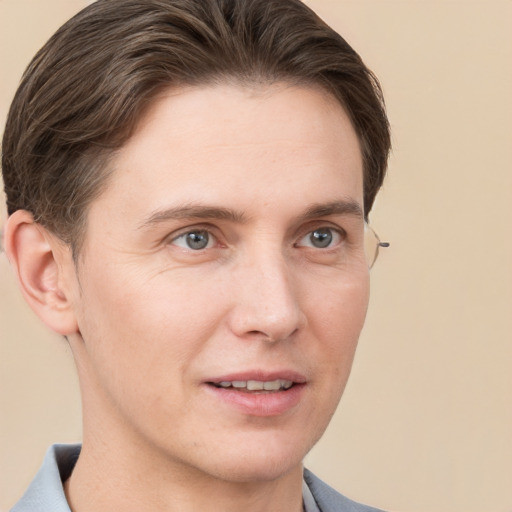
321,238
197,239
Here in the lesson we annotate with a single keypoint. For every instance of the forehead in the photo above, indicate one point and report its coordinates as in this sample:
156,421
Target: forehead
211,116
229,144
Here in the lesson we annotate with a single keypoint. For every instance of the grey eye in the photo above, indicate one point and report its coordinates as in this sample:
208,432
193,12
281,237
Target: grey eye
195,240
320,238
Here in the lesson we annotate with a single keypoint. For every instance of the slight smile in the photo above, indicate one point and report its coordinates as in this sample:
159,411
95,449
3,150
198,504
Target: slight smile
258,394
256,385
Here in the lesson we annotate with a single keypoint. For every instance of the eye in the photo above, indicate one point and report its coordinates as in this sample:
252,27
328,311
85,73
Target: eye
195,240
321,238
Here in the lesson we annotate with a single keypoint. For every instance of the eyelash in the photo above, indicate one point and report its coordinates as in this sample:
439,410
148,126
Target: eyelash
191,232
336,234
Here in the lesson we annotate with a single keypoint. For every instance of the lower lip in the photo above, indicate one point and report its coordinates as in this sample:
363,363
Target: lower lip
260,403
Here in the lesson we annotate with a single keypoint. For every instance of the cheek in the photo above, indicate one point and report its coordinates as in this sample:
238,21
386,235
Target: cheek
145,321
338,309
140,339
336,317
336,320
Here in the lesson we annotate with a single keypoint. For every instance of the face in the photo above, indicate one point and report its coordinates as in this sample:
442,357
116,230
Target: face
223,285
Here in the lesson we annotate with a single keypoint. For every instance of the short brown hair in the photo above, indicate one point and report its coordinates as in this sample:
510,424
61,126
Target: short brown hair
84,91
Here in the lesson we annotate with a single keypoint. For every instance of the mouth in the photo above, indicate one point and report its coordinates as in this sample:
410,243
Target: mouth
259,393
255,386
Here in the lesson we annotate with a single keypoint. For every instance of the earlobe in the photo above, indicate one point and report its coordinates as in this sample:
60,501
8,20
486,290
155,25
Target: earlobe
41,263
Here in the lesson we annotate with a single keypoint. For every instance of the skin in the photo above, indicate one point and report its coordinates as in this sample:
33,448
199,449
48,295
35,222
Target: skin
151,320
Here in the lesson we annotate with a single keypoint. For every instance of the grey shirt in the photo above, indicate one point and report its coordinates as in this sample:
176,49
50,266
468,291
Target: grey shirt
46,492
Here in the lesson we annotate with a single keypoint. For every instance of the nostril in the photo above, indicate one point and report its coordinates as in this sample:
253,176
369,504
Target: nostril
268,337
260,334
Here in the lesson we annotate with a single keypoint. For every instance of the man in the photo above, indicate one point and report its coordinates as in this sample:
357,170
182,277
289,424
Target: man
187,185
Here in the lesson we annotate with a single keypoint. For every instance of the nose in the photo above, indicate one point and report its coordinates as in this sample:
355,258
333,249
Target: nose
266,300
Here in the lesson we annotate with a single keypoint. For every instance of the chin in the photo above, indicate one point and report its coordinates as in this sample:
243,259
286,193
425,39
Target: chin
269,459
252,470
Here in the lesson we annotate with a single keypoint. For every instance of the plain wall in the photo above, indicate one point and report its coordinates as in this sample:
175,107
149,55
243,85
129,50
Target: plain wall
426,421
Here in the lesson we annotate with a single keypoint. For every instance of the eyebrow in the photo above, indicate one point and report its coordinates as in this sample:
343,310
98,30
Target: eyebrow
196,211
192,211
341,207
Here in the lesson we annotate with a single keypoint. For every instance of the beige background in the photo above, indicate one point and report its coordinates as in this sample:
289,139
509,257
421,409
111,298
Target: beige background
426,421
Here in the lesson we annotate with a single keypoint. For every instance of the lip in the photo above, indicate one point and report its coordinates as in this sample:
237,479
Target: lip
260,375
261,404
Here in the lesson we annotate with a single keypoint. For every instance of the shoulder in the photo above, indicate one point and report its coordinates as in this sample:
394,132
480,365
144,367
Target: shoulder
330,500
45,493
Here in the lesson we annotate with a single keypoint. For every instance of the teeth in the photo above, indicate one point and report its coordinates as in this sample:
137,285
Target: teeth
272,385
257,385
254,385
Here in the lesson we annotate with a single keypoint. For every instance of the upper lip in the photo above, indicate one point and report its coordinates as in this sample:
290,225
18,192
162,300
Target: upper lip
260,375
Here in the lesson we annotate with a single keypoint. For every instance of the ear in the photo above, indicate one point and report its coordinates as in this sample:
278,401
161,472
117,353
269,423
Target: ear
45,270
